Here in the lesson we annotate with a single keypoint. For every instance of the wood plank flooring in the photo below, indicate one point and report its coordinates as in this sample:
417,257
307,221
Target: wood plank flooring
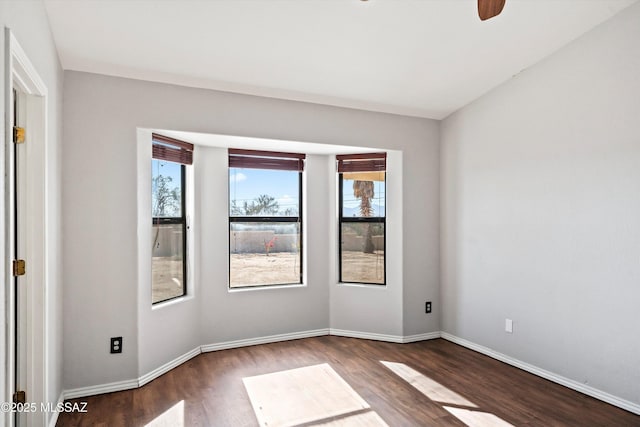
210,390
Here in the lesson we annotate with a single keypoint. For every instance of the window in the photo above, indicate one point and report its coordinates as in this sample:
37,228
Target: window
362,218
169,218
265,218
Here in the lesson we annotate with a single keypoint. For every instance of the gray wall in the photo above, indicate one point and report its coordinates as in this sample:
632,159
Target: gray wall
106,292
29,24
540,208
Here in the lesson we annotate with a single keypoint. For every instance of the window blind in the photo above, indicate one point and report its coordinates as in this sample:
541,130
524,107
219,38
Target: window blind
363,162
171,149
256,159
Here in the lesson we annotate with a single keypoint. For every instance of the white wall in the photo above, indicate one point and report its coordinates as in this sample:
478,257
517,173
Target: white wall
258,312
366,308
101,173
168,330
421,231
540,208
29,24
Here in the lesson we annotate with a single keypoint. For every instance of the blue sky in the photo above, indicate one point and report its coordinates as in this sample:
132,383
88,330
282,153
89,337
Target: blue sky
248,184
160,167
172,170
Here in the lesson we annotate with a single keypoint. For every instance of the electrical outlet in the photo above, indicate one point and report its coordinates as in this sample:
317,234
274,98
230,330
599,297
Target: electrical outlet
116,345
427,307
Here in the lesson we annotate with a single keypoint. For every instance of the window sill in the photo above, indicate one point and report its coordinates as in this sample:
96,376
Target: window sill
264,288
361,285
171,302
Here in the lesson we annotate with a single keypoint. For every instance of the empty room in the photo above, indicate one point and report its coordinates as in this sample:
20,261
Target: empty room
320,213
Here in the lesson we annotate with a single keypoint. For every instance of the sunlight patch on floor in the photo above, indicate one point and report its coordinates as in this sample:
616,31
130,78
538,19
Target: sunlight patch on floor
172,417
430,388
313,395
464,410
365,419
477,418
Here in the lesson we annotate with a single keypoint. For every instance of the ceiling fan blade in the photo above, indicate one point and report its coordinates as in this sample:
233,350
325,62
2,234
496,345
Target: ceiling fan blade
489,8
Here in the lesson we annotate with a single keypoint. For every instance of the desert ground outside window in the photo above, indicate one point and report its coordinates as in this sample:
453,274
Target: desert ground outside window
362,218
265,218
169,219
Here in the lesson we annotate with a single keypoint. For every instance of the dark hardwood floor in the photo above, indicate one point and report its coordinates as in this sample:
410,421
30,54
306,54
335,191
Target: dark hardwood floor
214,395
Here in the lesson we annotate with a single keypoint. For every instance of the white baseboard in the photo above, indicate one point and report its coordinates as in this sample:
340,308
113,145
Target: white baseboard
100,389
569,383
382,337
421,337
55,414
366,335
263,340
150,376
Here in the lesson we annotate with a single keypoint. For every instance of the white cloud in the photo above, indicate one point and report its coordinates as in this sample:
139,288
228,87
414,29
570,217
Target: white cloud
237,177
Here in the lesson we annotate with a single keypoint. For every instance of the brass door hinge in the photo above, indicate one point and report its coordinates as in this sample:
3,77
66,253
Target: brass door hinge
18,135
19,397
19,267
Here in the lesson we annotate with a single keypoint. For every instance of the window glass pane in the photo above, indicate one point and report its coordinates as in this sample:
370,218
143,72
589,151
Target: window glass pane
363,194
264,253
258,192
166,189
362,252
167,261
168,231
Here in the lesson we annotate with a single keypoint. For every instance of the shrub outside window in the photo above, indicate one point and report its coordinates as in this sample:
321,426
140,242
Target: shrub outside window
265,218
362,218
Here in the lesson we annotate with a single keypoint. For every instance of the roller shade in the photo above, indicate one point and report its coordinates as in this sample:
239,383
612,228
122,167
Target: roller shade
171,149
256,159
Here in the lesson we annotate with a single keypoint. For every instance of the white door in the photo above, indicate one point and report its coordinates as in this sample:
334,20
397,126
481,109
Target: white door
19,232
25,295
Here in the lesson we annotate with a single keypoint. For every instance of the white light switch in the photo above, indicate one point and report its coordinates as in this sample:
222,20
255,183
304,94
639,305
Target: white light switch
508,325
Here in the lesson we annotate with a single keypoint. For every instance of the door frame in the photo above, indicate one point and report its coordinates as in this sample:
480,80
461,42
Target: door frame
22,75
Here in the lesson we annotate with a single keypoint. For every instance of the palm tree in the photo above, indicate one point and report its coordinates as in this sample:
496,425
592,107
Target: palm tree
363,190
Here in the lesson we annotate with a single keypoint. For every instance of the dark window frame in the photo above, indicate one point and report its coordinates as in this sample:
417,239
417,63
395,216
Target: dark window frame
259,164
175,221
360,220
